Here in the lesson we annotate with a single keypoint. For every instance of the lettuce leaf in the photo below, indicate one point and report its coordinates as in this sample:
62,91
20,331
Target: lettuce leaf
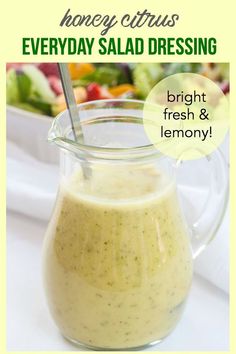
24,86
146,76
12,89
109,75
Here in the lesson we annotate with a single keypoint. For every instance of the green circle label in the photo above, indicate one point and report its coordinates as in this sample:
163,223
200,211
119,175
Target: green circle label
186,116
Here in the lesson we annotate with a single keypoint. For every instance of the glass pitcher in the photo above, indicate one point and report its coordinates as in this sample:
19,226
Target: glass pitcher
118,251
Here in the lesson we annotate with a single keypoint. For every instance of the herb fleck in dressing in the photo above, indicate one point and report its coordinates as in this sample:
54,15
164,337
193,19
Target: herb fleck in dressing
117,258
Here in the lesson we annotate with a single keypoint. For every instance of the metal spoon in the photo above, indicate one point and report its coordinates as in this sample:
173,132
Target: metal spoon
73,110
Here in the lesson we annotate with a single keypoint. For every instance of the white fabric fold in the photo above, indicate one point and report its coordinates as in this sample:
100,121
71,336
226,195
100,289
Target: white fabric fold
31,184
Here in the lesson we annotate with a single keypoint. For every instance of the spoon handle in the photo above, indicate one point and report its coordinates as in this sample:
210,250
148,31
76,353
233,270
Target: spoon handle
70,101
73,111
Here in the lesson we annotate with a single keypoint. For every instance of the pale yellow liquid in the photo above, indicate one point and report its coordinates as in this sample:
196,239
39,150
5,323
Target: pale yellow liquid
117,259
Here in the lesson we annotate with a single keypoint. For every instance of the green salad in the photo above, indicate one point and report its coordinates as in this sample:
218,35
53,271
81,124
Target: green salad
37,87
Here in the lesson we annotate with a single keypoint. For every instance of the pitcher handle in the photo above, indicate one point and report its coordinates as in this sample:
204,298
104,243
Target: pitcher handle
205,227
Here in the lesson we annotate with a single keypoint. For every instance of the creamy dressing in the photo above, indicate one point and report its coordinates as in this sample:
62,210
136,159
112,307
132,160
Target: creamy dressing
118,264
